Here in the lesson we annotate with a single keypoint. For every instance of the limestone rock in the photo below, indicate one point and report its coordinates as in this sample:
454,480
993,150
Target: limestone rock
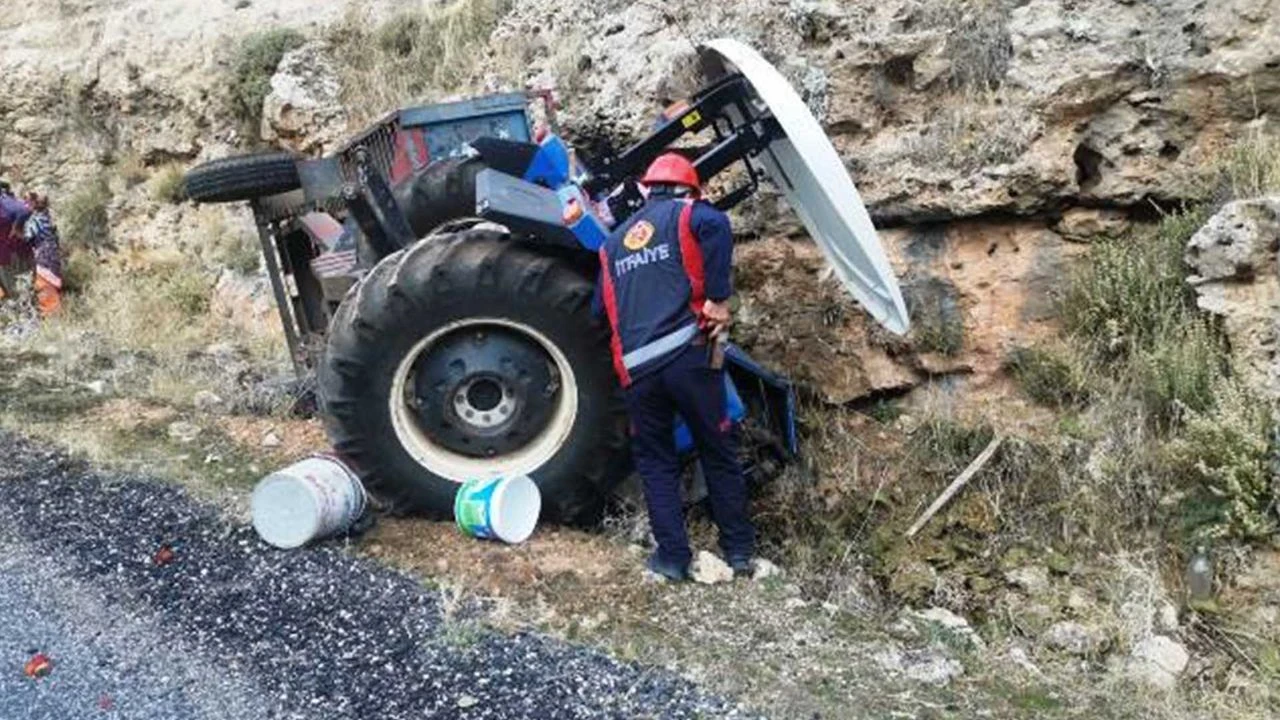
1074,638
929,667
1089,223
303,110
764,569
709,569
1158,661
206,401
1032,579
1236,275
937,619
184,432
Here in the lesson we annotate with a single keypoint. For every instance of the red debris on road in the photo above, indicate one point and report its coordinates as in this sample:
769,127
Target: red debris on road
38,666
164,556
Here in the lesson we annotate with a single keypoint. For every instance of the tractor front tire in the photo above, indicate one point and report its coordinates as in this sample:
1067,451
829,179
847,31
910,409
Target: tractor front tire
245,177
468,356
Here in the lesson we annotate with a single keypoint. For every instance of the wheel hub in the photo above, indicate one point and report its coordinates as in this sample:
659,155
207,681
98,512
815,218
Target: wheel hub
484,391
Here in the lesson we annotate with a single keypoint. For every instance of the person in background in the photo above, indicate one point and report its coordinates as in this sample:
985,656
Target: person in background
13,216
42,237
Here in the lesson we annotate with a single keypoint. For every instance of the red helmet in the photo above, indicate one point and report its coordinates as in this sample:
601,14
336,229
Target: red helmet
673,169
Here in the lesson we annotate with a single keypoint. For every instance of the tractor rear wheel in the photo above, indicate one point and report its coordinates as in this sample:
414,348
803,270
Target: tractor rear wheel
470,355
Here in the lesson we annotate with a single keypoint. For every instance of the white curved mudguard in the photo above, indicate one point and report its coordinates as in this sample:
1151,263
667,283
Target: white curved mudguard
804,165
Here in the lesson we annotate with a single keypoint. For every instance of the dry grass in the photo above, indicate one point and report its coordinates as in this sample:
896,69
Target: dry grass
972,134
82,217
167,184
978,45
414,56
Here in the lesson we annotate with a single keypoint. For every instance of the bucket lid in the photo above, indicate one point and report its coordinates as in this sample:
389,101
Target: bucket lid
285,512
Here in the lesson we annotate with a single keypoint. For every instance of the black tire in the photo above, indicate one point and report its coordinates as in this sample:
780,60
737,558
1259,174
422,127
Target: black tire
412,295
245,177
443,192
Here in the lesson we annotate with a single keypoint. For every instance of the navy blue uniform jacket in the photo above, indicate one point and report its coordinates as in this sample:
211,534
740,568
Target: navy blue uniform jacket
656,270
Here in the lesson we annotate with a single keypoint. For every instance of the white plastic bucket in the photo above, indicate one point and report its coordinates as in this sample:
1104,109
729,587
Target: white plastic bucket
307,501
505,509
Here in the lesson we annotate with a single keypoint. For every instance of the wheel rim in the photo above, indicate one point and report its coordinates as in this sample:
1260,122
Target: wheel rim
483,397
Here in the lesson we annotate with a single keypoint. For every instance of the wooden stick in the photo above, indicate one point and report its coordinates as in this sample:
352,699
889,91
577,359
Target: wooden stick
961,480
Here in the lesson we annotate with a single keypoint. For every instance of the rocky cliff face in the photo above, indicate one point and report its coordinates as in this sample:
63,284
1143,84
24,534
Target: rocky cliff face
988,137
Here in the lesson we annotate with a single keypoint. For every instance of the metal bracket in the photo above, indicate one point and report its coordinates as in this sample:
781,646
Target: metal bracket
375,209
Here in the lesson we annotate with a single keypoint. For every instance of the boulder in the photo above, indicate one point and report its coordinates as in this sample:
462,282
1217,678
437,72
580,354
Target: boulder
303,111
1158,661
1236,276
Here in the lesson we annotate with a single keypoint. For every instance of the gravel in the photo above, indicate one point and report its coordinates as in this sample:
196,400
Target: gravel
232,628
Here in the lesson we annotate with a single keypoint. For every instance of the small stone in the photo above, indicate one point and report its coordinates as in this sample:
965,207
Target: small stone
1077,600
1166,617
830,608
1019,657
1158,661
765,569
956,627
1073,638
709,569
206,401
271,440
212,458
184,432
97,387
1032,579
467,701
794,603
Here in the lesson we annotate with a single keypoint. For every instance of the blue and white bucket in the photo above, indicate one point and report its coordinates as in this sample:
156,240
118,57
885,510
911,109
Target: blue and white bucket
505,509
307,501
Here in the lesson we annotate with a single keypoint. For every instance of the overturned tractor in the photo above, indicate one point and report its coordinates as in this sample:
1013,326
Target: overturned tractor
436,274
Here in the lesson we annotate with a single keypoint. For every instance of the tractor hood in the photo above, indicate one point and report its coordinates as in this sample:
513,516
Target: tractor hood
804,165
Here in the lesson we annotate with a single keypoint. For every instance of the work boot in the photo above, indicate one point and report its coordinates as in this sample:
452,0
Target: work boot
668,570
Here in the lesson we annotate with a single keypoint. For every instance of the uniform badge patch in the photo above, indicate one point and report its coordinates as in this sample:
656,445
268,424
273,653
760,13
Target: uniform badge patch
639,235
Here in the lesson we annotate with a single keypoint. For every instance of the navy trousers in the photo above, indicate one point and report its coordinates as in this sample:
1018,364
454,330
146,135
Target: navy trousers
689,386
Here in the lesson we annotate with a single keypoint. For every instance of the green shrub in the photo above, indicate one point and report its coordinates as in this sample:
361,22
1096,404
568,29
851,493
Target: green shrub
1053,376
1230,450
1132,293
1177,373
189,290
82,217
251,69
168,184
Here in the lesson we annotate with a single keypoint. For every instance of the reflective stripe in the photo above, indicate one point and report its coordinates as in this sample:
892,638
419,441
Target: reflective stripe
660,347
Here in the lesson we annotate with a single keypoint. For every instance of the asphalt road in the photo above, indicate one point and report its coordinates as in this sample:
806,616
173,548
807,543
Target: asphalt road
234,629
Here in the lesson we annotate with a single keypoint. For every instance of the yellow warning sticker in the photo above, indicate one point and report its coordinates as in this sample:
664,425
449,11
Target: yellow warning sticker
691,119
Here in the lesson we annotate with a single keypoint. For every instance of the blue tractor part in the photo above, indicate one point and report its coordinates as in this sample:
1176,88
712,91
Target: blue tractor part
414,239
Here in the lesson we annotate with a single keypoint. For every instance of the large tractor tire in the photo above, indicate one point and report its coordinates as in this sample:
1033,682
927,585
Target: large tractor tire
246,177
470,355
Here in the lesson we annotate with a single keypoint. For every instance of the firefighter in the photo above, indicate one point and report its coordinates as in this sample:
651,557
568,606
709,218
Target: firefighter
665,283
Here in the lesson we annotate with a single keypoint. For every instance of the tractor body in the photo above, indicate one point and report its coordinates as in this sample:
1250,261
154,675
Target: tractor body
434,272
